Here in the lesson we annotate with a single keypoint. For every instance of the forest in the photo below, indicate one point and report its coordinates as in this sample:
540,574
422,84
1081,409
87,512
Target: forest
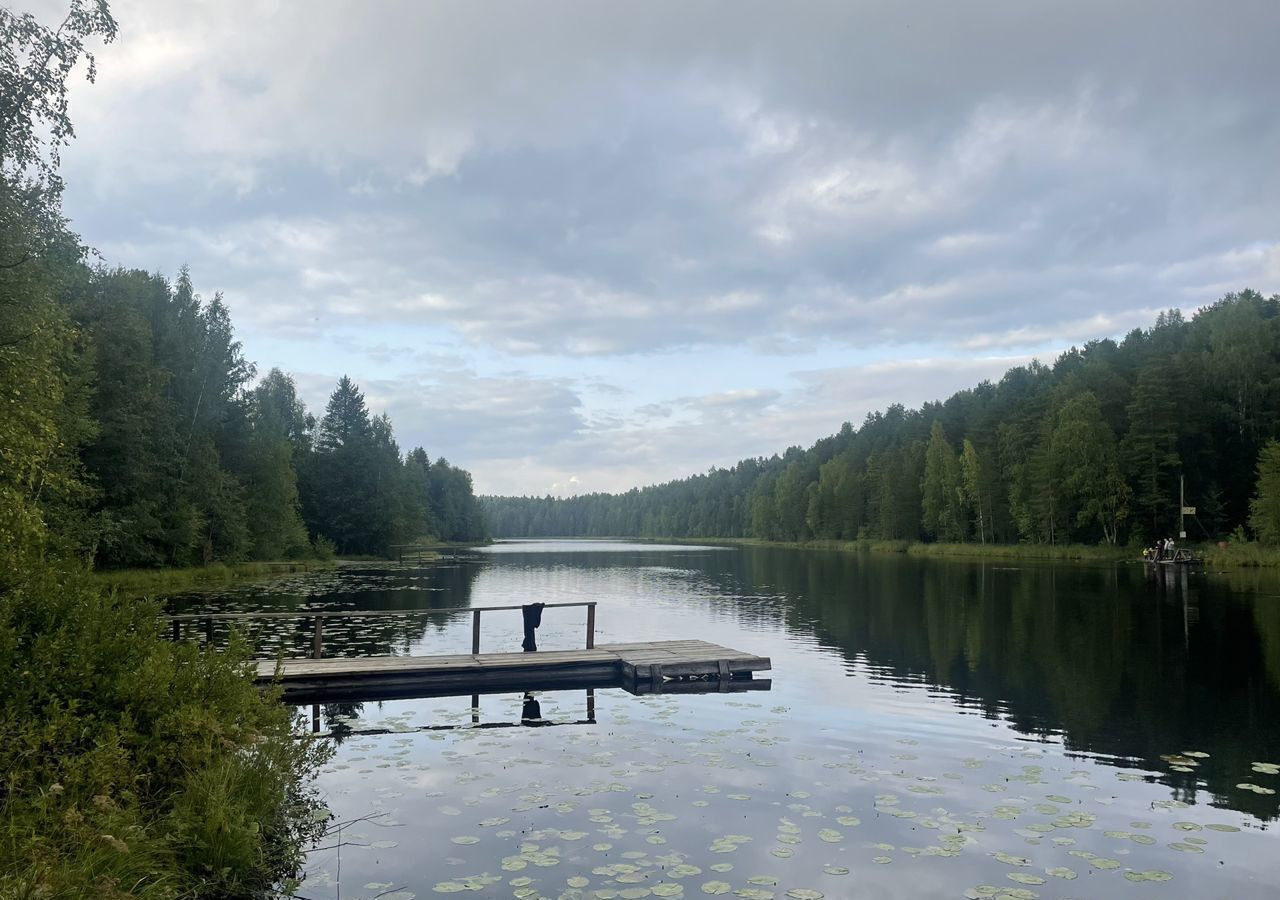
1092,449
171,452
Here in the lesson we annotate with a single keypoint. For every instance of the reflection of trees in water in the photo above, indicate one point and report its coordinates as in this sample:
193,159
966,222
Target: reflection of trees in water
339,717
367,588
1120,667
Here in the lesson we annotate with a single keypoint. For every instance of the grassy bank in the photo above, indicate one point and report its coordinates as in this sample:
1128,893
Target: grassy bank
1073,552
1245,554
148,582
133,766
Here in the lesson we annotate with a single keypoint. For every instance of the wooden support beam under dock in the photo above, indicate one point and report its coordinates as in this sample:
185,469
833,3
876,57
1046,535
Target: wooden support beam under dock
639,667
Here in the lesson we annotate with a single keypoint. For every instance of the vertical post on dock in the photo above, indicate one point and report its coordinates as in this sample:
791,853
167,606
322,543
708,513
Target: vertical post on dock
591,625
208,632
177,630
317,642
475,631
1182,509
591,704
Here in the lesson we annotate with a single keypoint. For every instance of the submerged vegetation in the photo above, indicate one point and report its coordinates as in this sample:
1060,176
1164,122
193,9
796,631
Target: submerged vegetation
156,582
1089,450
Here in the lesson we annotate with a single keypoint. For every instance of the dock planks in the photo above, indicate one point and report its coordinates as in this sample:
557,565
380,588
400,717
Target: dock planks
643,667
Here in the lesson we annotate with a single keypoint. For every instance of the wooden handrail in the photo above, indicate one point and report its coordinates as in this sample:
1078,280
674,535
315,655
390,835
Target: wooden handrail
351,613
319,615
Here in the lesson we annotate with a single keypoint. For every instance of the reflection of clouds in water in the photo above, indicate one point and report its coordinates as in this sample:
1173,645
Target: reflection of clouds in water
685,791
919,699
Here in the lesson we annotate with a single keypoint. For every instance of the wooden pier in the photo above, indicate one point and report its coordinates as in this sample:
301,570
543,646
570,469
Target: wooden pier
640,667
643,667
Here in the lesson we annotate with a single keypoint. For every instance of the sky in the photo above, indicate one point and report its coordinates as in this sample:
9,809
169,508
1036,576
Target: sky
586,246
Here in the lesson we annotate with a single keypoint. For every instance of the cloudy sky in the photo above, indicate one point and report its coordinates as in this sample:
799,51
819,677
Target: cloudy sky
583,246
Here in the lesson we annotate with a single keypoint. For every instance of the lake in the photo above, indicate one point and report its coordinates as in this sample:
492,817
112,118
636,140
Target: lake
933,728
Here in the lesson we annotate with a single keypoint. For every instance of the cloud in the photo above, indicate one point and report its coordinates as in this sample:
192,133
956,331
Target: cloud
629,179
492,218
524,434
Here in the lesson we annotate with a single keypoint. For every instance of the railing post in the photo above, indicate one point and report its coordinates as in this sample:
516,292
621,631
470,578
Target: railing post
317,642
591,626
177,630
475,631
208,632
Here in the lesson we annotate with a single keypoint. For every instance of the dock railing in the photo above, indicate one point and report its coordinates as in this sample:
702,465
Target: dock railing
318,617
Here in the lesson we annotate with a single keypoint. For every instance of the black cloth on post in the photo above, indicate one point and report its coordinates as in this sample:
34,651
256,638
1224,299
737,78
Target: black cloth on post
532,613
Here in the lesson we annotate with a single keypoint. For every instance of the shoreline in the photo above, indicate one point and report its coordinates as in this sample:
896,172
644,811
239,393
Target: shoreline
147,582
1235,556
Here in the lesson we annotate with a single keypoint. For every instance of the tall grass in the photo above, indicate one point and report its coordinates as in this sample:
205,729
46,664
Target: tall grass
135,767
1243,554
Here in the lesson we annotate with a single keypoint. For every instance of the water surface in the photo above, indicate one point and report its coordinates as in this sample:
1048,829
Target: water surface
934,728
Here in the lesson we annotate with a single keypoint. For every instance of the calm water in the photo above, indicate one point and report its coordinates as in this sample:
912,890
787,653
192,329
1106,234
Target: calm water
934,729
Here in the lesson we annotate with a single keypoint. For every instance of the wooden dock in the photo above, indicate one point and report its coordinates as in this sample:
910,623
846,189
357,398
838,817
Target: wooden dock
690,666
639,667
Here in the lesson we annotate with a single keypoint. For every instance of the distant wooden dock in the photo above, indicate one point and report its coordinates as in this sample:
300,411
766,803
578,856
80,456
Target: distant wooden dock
643,667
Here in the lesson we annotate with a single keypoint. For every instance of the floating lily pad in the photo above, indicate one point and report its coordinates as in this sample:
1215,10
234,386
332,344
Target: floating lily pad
1025,878
1152,875
717,887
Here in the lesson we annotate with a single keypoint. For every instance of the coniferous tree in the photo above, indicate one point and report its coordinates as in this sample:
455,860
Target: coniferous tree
1264,509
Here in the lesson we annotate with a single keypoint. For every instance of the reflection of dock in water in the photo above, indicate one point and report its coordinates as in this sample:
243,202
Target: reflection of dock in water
688,666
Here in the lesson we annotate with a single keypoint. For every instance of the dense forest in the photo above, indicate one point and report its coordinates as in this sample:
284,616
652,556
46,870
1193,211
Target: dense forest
131,765
1090,449
168,451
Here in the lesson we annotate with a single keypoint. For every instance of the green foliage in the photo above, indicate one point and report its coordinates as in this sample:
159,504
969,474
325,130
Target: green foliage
942,493
1264,509
1088,450
133,766
359,493
35,63
130,766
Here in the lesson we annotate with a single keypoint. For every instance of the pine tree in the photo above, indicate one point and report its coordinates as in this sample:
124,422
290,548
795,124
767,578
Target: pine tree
1264,509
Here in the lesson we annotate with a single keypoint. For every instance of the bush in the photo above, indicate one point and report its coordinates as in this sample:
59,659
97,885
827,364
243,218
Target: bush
134,766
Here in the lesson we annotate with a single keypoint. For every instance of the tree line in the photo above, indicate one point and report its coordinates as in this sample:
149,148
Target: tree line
168,451
1090,449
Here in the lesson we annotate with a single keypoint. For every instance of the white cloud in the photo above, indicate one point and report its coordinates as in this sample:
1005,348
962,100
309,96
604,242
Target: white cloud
564,190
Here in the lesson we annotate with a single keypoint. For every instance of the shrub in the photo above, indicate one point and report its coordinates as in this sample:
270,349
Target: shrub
134,766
